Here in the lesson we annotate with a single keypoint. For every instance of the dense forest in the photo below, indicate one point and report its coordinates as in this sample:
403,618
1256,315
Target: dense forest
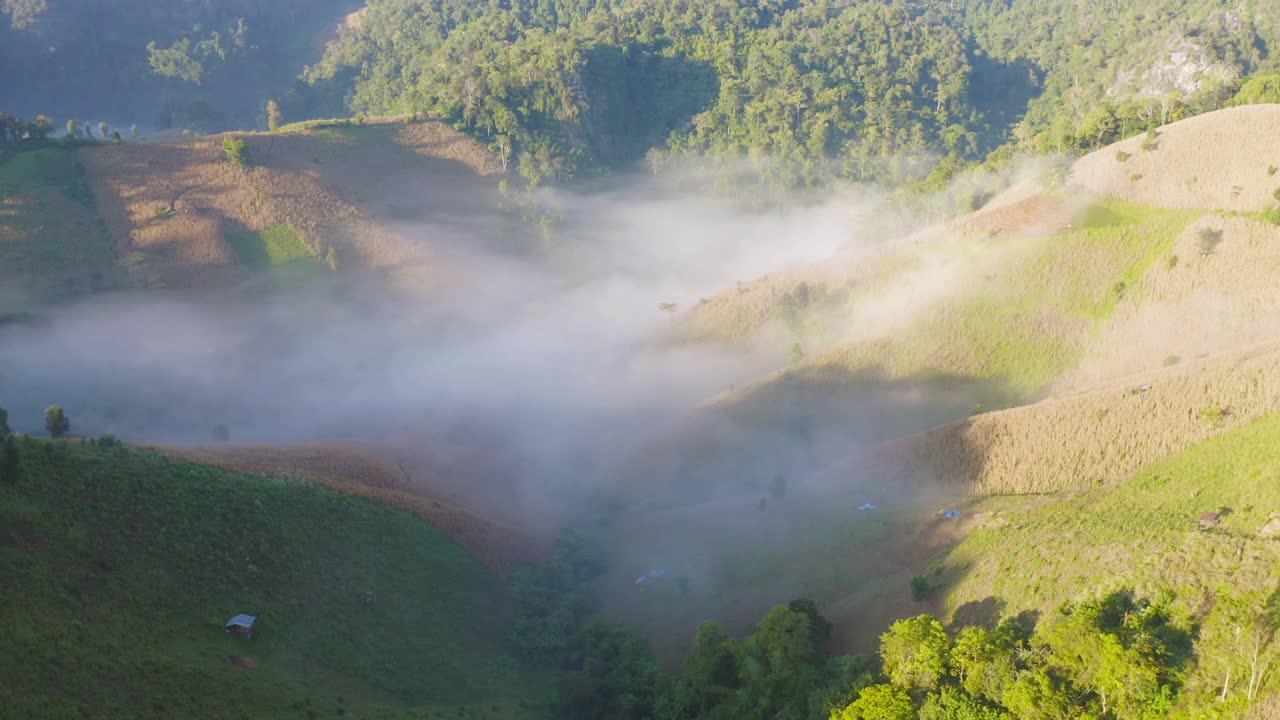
179,63
804,90
861,90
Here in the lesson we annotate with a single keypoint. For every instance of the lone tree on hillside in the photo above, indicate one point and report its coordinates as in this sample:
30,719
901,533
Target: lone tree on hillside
1207,239
274,116
104,130
73,128
668,307
56,422
133,131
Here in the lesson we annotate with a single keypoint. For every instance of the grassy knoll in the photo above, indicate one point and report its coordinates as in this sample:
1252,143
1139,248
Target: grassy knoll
118,568
1036,552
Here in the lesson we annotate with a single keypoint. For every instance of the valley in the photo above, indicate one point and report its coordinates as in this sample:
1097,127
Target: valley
585,359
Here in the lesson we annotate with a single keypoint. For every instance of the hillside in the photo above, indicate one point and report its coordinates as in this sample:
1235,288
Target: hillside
91,217
383,472
119,567
1142,535
1059,284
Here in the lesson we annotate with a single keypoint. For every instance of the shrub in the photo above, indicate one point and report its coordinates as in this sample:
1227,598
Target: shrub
108,440
165,211
1215,415
1271,170
236,151
1172,360
1207,240
1121,156
1135,177
1171,262
920,588
1276,194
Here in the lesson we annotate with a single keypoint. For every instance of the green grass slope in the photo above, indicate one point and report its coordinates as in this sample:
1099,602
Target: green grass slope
52,242
1034,553
118,568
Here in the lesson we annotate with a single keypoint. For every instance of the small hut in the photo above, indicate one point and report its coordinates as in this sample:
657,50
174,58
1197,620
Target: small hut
1209,520
241,625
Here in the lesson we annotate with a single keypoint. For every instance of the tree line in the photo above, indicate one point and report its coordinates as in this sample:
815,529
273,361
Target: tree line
1116,656
821,88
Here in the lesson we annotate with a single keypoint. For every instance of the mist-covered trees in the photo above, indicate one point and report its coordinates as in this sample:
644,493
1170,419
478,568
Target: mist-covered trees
4,423
549,601
56,421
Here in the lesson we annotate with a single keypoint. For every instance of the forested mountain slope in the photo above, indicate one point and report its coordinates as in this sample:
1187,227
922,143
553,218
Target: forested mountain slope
212,67
856,89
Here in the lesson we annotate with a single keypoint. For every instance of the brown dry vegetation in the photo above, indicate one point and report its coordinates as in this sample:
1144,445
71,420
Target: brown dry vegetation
171,206
1191,304
1218,160
371,470
1098,437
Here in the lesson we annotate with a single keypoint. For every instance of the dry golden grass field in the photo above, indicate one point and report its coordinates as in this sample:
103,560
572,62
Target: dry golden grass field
1223,160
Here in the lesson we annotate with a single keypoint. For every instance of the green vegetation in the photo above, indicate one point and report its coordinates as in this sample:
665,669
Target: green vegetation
583,85
277,249
204,66
637,81
1029,324
1146,534
55,245
118,568
1114,655
236,152
56,421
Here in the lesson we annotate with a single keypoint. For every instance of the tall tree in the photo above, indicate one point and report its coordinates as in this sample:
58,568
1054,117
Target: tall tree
56,421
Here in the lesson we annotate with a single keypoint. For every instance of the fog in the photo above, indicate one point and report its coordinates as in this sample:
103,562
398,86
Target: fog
556,348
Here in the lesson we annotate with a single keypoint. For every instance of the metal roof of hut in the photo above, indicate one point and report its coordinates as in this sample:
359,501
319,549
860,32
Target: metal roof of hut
241,621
